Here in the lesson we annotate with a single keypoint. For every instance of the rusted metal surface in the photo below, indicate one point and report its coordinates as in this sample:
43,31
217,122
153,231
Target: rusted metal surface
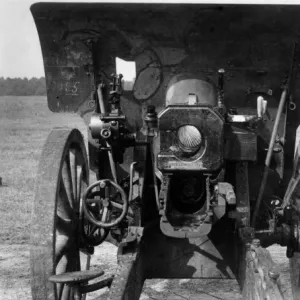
260,264
264,36
260,276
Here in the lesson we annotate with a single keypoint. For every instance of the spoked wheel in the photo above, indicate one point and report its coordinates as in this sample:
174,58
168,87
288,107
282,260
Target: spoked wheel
92,234
56,245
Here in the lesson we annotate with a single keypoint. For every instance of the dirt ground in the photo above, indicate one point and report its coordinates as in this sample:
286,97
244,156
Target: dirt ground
15,278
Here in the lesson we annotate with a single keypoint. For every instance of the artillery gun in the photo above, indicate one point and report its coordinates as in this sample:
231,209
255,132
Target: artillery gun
197,165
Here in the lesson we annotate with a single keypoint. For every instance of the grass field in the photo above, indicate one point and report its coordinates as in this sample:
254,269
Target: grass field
25,123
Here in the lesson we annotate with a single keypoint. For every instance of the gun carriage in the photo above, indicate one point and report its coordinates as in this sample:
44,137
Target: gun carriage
197,164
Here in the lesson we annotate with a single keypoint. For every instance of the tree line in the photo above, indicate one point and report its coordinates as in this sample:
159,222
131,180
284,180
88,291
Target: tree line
33,86
22,86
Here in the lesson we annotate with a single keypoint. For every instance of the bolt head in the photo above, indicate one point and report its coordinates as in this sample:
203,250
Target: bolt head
102,185
105,133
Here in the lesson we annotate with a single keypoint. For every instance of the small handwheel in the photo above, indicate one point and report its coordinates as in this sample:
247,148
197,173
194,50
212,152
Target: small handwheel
56,246
106,204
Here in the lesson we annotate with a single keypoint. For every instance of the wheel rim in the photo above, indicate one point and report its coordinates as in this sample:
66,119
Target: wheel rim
55,237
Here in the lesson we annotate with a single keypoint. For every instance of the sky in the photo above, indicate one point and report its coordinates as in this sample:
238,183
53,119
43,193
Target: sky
20,52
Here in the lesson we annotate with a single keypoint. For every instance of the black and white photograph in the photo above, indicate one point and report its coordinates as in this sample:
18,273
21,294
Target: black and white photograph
149,150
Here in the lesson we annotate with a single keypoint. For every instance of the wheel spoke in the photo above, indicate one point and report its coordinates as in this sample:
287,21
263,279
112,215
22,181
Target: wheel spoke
65,226
77,175
73,171
88,262
66,293
79,182
93,230
67,183
73,259
61,266
116,205
104,214
71,297
60,288
62,246
64,209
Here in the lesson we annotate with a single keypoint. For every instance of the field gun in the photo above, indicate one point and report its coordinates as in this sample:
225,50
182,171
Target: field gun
197,162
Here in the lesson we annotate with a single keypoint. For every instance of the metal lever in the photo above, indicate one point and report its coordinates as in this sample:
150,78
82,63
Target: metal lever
221,73
100,98
261,106
269,156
